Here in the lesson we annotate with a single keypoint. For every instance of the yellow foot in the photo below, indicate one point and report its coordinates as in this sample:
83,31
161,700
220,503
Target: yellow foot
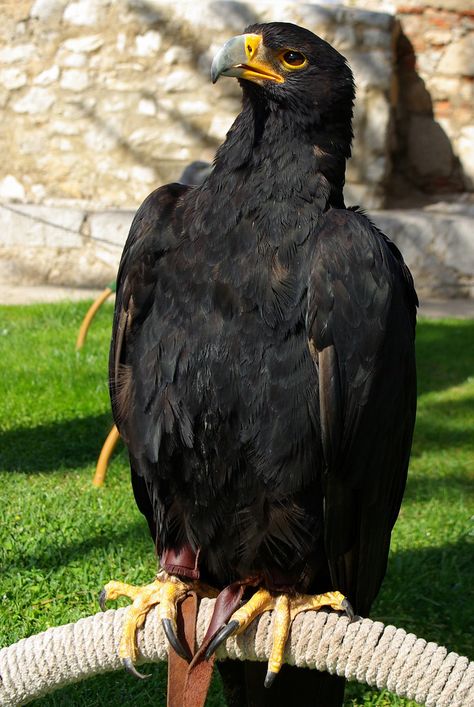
286,607
166,591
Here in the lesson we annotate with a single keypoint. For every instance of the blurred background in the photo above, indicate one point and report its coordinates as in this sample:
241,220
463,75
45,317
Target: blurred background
101,101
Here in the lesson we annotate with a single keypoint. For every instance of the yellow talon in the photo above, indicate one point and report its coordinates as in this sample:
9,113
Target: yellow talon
143,601
285,609
308,602
166,591
281,628
261,601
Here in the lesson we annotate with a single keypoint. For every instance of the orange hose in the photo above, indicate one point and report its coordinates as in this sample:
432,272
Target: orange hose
86,322
104,456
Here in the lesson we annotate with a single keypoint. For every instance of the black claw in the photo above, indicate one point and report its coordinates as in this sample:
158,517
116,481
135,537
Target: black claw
173,639
346,605
270,678
130,668
102,600
222,635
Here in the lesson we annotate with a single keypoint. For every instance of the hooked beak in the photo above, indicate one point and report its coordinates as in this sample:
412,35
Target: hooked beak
242,57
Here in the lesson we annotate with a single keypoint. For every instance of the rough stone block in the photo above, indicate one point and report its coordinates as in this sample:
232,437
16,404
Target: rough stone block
74,79
100,139
83,12
15,53
317,15
36,100
220,126
146,106
458,59
47,77
380,20
110,226
63,127
149,11
47,9
373,37
148,44
177,55
190,108
86,44
12,78
11,189
179,80
70,59
344,38
146,175
365,195
376,170
437,247
377,121
30,226
442,87
372,69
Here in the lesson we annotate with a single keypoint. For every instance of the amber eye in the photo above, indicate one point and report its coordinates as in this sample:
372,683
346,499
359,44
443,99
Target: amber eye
294,60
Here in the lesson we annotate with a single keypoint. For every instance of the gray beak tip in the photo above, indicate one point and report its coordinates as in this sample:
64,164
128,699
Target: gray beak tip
228,58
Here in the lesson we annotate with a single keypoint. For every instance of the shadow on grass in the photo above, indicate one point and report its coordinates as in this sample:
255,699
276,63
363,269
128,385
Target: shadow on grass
61,552
429,591
66,444
444,424
444,353
422,488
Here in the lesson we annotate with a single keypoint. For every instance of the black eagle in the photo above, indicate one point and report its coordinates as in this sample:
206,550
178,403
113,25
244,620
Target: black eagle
262,367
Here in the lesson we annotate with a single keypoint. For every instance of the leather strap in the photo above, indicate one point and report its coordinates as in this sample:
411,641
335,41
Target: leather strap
182,562
188,685
177,666
226,603
199,673
198,679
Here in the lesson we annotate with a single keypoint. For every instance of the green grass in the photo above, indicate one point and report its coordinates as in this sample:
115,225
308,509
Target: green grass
61,539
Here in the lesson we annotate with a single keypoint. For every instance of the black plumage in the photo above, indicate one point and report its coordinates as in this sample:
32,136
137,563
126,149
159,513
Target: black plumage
262,364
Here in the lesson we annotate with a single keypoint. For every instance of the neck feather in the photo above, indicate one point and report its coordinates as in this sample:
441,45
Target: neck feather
287,150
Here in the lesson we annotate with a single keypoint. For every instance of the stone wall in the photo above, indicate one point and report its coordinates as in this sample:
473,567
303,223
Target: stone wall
434,147
436,106
100,101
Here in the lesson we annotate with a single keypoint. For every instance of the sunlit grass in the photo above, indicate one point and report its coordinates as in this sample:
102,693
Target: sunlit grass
61,538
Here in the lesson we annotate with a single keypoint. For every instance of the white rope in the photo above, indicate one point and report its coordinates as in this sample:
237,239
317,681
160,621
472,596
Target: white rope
365,650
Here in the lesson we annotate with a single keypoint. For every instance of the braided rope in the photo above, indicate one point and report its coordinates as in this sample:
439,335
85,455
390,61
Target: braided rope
365,650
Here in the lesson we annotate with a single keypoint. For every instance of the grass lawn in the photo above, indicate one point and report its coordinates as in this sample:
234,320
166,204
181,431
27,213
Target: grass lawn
61,539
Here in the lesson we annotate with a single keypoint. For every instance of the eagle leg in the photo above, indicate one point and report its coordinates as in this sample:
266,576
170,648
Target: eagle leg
166,591
285,608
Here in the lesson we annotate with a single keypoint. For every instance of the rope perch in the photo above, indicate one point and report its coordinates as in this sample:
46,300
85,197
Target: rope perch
366,651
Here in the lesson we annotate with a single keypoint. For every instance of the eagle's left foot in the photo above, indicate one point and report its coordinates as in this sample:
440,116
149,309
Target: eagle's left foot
286,607
166,591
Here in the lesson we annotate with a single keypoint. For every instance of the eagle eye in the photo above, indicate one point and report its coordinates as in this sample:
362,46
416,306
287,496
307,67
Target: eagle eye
292,59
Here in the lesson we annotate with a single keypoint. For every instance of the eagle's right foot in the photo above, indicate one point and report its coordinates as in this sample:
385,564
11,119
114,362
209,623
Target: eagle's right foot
285,608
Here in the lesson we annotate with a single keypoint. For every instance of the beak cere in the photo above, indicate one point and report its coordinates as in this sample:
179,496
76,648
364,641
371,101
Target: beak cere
240,57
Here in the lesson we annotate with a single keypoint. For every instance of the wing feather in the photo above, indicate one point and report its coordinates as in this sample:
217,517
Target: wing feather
362,310
153,233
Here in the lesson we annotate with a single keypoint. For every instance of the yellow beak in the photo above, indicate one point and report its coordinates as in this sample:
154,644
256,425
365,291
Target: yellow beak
242,57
